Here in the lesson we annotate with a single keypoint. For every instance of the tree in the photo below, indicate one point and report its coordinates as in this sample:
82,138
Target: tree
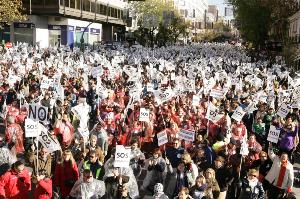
260,20
161,21
10,11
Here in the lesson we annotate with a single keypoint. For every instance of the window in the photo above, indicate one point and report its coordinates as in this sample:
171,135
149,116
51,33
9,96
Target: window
78,6
86,5
93,7
103,9
72,3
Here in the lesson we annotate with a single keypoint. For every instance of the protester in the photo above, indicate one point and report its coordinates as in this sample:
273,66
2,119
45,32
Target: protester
193,102
280,176
43,189
16,182
251,187
66,174
88,187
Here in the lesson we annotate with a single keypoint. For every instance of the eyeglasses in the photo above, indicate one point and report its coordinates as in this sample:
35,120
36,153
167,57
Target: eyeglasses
252,175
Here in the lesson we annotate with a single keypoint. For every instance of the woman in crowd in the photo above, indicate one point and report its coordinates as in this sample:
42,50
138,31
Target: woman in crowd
66,174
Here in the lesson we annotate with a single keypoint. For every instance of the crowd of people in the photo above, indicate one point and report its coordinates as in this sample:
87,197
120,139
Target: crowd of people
242,114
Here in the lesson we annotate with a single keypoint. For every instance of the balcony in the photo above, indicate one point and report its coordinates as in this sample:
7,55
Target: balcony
80,9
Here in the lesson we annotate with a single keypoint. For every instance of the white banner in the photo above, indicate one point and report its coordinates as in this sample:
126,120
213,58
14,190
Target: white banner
45,84
37,112
238,114
162,97
251,107
50,143
122,156
218,94
296,93
273,135
31,128
283,110
144,115
196,100
162,138
186,135
212,113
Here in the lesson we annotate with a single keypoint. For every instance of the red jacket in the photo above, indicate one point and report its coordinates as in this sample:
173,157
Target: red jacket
43,189
14,185
64,174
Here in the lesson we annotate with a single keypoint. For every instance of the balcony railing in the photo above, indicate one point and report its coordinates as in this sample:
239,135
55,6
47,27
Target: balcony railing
84,9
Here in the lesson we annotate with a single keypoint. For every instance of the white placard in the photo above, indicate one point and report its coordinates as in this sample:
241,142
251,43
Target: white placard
173,76
162,138
273,134
283,110
251,107
45,83
238,114
122,156
196,100
218,94
150,87
186,135
162,97
50,143
212,113
31,128
37,112
296,93
144,115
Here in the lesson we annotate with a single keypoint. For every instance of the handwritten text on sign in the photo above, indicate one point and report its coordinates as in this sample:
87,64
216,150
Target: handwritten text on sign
122,156
273,134
238,114
283,111
50,143
162,138
144,115
37,113
186,135
31,129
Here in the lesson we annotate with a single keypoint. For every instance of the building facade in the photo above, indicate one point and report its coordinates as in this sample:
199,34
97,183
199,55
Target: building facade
294,34
68,22
193,11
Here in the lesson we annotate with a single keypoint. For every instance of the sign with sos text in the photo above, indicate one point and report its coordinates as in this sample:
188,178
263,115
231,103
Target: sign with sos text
122,156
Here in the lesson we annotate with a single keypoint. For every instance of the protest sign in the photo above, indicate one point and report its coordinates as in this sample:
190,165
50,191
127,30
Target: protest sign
212,113
244,148
186,135
163,96
196,100
122,156
31,128
273,135
218,94
162,138
144,115
238,114
37,112
50,143
283,110
45,83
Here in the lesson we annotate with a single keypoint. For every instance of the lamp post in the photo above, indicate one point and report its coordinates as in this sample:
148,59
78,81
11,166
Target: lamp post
82,39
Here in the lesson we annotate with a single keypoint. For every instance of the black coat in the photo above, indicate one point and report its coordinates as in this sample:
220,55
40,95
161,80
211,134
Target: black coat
224,178
247,193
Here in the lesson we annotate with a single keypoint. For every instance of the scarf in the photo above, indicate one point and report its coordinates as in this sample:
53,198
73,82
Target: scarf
281,174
